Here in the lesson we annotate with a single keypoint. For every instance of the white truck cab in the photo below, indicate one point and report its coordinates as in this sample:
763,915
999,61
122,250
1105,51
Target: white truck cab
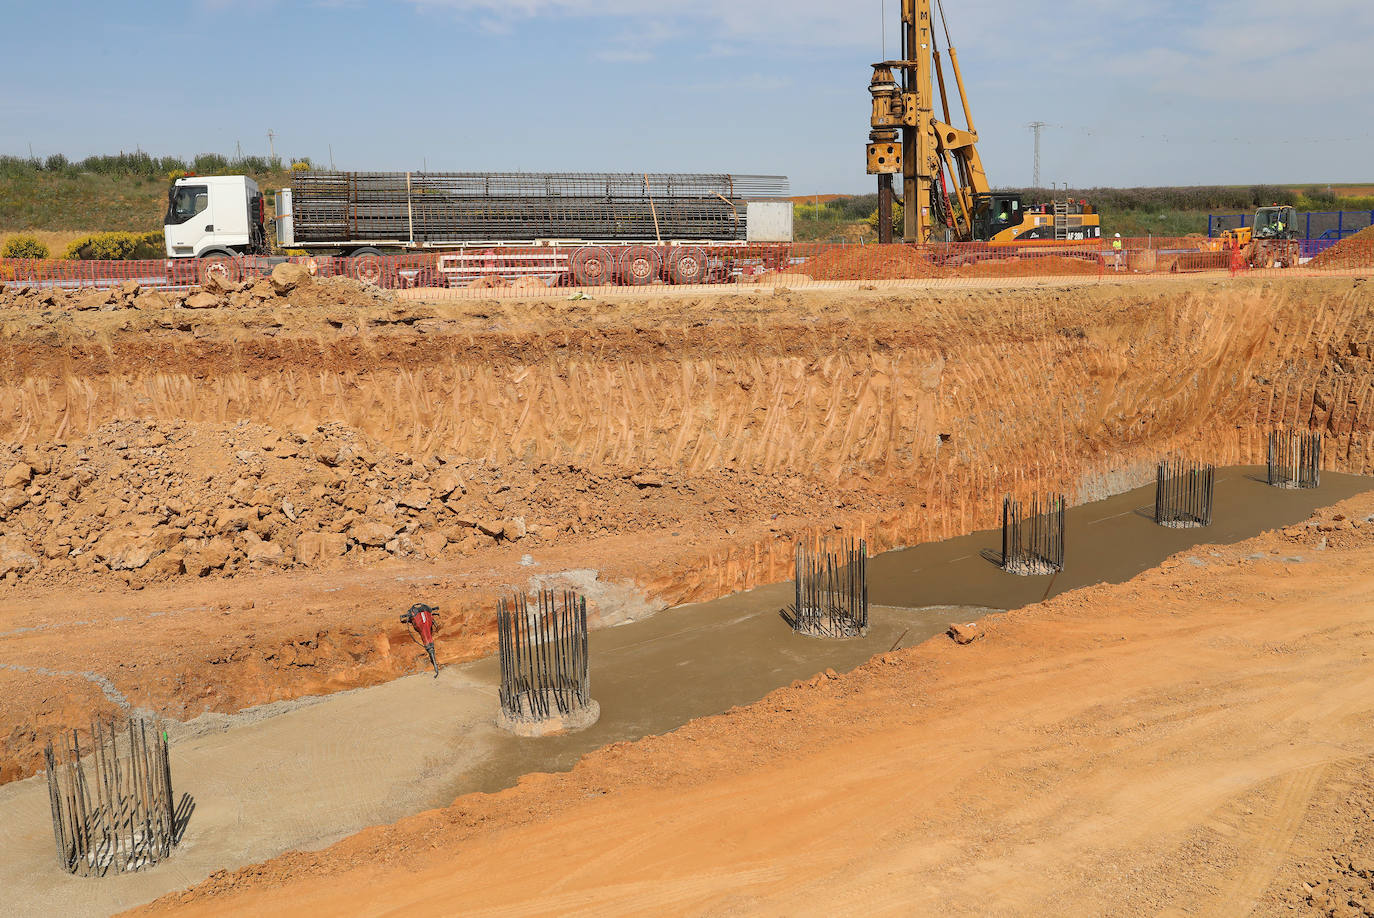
214,215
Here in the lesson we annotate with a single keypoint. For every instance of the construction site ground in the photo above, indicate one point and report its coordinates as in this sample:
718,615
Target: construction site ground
270,780
304,469
1195,742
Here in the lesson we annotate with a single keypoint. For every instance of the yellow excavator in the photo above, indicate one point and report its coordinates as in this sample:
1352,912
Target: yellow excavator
945,191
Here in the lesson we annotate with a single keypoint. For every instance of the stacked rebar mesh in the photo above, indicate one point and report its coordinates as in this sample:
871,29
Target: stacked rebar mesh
832,591
112,808
1183,494
482,207
544,672
1033,537
1295,460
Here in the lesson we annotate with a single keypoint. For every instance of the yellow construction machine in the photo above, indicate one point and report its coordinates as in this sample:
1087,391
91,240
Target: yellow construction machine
945,192
1271,241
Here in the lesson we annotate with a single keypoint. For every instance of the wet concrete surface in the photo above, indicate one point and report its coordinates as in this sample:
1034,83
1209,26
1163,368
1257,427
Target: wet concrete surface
655,674
1108,541
304,774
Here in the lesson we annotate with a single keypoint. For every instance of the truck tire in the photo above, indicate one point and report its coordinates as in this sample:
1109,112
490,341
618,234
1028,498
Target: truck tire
640,265
217,262
365,266
592,266
688,266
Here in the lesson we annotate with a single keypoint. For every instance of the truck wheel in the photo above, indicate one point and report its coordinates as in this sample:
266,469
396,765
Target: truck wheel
366,266
640,265
218,263
592,266
688,266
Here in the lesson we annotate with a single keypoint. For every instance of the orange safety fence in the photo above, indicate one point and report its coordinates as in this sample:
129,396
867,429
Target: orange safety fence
555,269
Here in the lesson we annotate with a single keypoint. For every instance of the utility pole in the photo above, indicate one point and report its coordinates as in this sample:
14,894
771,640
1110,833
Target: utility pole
272,143
1037,127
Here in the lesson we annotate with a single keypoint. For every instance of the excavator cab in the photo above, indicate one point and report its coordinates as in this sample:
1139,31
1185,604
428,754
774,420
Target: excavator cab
1275,223
995,212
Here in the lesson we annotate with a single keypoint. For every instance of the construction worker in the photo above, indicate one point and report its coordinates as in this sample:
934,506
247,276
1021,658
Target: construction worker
1116,248
422,618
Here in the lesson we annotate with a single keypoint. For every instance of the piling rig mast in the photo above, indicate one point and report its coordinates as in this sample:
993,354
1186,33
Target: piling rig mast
943,180
908,139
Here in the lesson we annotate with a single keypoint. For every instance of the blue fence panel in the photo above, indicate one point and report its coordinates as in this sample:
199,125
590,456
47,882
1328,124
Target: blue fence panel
1326,225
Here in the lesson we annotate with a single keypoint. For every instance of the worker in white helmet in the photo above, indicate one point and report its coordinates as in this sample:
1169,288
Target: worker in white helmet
1116,249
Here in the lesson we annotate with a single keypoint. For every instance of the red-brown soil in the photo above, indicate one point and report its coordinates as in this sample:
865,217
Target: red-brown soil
206,509
1029,265
1355,251
870,262
1197,741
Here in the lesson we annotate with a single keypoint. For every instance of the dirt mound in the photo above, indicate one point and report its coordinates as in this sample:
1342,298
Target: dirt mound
1033,266
216,294
870,262
1355,251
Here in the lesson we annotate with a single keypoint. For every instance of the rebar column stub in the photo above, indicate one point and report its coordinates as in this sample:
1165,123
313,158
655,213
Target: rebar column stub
831,591
1033,538
545,678
1295,459
112,805
1183,494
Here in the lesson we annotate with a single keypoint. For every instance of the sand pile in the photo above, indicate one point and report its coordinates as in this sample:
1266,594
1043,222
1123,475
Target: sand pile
870,262
1033,266
1355,251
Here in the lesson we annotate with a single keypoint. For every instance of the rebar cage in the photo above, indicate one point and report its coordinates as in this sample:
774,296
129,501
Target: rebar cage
112,807
544,671
455,207
1033,538
1183,494
831,590
1295,459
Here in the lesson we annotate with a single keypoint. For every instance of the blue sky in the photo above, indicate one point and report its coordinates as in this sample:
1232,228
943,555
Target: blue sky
1170,92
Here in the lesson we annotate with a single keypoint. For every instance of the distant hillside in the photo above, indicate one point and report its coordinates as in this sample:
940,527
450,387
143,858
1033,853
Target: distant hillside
124,192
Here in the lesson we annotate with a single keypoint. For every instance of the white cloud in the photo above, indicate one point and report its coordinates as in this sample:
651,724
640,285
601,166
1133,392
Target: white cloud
814,22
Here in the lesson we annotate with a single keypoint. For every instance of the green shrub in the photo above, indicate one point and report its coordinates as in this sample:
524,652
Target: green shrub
117,247
24,247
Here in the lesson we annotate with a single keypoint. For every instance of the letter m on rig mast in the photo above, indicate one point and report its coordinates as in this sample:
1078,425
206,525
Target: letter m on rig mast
939,163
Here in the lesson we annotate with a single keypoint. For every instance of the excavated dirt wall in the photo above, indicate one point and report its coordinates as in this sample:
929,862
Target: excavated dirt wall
676,444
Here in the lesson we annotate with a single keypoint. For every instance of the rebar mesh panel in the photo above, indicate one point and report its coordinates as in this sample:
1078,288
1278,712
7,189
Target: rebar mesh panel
112,808
1295,460
544,671
831,591
1183,494
1033,537
473,207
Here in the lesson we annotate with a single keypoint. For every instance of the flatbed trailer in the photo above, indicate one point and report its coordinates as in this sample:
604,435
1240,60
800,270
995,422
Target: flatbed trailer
590,228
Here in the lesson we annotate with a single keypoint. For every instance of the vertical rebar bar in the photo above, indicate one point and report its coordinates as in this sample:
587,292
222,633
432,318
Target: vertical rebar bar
1183,493
111,806
831,590
543,655
1295,459
1033,542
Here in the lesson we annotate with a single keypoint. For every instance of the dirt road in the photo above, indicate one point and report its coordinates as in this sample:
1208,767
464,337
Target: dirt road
1197,741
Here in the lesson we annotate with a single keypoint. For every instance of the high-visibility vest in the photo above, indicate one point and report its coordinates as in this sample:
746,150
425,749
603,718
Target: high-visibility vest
1116,244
